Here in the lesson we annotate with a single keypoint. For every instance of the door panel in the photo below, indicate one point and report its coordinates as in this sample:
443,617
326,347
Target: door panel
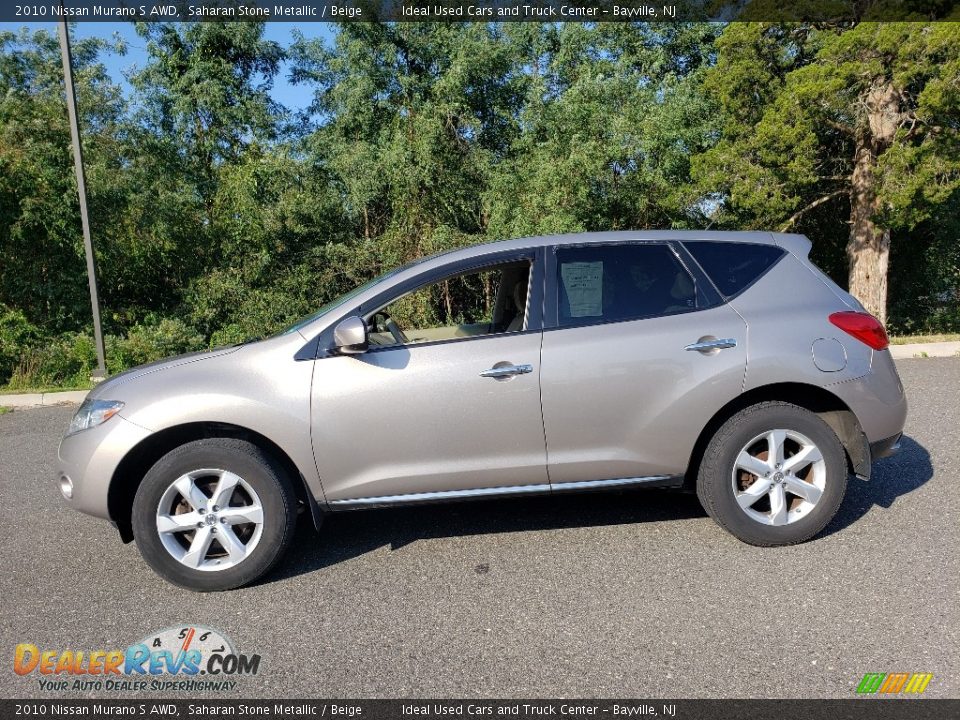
625,399
420,418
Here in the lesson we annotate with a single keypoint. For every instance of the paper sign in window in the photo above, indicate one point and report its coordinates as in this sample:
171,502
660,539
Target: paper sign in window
583,282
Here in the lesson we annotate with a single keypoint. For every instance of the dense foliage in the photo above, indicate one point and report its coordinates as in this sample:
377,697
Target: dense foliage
219,215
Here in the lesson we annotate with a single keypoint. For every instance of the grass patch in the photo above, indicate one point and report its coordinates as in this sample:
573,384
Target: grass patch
907,339
4,409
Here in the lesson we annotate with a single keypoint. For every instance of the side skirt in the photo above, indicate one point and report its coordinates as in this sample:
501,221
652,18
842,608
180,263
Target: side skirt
654,481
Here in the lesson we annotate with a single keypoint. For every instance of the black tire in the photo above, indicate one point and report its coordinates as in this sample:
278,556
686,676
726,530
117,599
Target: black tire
715,479
258,469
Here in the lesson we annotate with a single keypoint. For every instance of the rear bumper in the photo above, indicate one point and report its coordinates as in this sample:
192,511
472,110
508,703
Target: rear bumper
878,402
877,399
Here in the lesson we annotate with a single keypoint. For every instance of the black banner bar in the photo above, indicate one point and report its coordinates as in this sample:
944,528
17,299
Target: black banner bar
480,10
867,708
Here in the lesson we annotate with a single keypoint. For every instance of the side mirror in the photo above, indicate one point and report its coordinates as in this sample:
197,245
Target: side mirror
350,336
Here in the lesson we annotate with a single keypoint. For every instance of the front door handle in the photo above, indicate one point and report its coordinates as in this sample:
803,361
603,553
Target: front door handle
507,371
707,345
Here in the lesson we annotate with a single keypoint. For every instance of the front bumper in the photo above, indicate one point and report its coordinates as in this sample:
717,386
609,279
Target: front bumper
90,458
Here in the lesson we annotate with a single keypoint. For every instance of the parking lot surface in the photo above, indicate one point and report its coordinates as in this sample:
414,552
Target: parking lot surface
612,595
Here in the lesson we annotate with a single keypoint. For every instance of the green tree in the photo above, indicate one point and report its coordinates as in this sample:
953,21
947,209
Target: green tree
612,114
858,120
203,102
233,206
282,230
42,272
206,86
412,117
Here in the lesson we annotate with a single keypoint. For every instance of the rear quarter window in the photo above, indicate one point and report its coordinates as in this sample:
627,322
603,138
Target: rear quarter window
734,266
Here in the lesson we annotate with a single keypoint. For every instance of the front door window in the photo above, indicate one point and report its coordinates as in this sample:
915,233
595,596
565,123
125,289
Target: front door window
488,301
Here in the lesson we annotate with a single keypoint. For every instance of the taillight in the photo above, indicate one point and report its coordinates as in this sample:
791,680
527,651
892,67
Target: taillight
863,326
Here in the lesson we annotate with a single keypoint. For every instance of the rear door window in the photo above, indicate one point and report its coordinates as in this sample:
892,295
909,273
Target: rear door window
734,266
611,283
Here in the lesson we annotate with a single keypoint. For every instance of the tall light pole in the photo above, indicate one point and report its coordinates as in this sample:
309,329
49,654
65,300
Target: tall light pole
101,372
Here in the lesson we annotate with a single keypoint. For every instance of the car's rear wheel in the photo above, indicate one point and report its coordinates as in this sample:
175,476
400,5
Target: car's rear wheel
773,474
214,514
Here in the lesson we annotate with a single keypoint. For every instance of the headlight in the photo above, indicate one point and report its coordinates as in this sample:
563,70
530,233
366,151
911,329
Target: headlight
93,413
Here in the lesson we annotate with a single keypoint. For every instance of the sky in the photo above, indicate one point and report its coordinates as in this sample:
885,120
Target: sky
295,98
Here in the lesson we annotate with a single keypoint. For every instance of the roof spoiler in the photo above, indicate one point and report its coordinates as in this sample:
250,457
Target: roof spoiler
799,245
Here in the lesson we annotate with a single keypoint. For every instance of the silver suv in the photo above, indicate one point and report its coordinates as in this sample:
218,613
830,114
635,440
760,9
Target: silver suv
721,363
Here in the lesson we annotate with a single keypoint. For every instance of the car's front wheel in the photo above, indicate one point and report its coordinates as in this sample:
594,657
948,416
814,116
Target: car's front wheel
214,514
773,474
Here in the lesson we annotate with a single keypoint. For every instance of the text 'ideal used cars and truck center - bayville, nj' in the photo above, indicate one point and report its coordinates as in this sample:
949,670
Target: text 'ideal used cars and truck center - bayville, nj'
348,11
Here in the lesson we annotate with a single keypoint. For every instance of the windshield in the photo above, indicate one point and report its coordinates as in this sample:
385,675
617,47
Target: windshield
303,322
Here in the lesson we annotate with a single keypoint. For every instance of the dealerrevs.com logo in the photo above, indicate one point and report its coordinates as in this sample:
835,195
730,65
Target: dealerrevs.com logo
188,658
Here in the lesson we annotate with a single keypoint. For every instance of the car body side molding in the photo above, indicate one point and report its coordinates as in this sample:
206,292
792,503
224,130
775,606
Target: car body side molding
481,493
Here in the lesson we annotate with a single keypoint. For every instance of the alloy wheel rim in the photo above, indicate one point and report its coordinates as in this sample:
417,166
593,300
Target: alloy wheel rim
210,519
779,477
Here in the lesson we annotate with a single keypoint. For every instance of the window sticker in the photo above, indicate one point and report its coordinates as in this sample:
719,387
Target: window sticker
583,282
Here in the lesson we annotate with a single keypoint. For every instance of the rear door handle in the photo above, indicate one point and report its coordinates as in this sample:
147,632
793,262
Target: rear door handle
704,345
507,371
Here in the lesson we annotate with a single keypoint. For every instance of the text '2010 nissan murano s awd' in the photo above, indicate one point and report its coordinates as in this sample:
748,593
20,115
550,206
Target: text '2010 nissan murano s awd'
724,363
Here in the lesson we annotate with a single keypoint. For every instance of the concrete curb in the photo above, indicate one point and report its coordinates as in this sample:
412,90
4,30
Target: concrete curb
73,397
920,350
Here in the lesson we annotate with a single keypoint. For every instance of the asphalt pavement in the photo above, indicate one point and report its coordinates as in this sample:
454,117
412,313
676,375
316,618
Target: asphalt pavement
634,594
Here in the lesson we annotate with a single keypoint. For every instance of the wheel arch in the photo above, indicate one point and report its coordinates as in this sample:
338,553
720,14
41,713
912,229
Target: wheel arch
138,461
830,408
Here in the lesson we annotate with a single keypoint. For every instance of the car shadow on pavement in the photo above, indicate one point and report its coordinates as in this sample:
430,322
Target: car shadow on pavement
346,535
891,477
